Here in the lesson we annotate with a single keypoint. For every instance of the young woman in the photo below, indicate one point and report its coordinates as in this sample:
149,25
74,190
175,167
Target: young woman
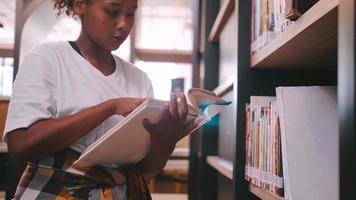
67,94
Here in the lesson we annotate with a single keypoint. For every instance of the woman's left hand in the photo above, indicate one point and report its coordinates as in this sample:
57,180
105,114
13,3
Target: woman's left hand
172,127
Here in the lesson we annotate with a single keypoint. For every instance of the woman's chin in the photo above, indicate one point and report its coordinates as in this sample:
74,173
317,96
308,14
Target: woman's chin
114,46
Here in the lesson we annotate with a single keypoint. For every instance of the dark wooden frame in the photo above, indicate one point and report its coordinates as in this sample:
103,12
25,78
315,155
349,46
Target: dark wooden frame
224,13
347,98
203,178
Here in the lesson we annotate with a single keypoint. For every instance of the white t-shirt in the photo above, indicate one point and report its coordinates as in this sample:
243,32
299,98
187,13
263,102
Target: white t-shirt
55,81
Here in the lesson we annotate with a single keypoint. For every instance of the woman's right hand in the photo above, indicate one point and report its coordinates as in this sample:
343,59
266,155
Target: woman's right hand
48,136
124,106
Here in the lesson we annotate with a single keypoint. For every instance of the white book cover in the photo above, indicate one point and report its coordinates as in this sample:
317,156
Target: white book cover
128,141
310,138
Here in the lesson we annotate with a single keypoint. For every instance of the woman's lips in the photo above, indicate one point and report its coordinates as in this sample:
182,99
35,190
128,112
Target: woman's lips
118,39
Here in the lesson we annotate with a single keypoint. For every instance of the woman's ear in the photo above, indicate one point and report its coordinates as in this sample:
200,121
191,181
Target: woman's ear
78,7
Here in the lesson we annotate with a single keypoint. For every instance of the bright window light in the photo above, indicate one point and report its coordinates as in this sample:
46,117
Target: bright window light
6,74
161,75
164,25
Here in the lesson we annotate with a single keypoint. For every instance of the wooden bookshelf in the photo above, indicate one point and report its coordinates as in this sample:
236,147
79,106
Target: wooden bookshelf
224,13
322,38
311,42
263,194
223,166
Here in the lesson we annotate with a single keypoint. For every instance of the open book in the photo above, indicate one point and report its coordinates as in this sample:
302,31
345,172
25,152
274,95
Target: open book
128,141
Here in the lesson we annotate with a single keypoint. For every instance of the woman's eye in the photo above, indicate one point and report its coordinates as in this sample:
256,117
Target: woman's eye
113,12
131,14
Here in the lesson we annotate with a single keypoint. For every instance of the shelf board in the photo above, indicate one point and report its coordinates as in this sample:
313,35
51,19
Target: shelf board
161,55
225,86
310,42
180,153
223,166
224,13
263,194
3,147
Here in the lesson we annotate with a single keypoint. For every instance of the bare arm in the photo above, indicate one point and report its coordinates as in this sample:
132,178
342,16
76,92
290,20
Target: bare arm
46,137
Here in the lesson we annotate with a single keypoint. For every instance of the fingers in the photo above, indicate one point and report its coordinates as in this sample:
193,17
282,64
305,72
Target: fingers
166,116
149,127
173,108
189,126
183,108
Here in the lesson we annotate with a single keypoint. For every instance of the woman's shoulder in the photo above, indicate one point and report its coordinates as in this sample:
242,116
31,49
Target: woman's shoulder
49,47
48,53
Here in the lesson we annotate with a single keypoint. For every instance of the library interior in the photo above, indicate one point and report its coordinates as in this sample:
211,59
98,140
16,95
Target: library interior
286,66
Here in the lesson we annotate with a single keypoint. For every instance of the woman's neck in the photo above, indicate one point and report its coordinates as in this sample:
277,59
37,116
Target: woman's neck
100,58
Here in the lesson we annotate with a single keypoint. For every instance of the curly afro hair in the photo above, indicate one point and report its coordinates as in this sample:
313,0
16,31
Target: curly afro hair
65,6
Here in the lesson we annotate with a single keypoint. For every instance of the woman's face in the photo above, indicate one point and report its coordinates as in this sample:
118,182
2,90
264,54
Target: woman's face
108,22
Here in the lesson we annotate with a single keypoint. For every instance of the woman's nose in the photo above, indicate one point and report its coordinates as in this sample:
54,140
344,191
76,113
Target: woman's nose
124,22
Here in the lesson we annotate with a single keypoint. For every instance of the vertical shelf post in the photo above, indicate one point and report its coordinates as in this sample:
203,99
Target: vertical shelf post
347,98
243,9
204,142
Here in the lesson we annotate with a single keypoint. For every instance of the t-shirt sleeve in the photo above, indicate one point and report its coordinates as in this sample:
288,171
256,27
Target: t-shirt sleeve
34,94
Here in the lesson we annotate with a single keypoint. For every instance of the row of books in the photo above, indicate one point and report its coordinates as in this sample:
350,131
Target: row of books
299,128
263,153
271,17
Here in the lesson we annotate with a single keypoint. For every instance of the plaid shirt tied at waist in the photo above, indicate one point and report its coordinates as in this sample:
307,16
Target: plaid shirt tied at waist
56,178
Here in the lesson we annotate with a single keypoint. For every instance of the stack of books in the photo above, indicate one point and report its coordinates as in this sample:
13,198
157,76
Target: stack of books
263,145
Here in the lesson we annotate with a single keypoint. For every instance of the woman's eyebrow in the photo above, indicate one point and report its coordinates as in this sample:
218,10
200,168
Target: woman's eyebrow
120,5
115,4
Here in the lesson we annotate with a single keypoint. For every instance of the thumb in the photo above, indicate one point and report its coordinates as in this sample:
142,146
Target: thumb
190,126
146,124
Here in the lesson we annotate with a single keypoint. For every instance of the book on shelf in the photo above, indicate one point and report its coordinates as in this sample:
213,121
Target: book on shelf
263,166
128,141
271,17
295,8
267,20
309,141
